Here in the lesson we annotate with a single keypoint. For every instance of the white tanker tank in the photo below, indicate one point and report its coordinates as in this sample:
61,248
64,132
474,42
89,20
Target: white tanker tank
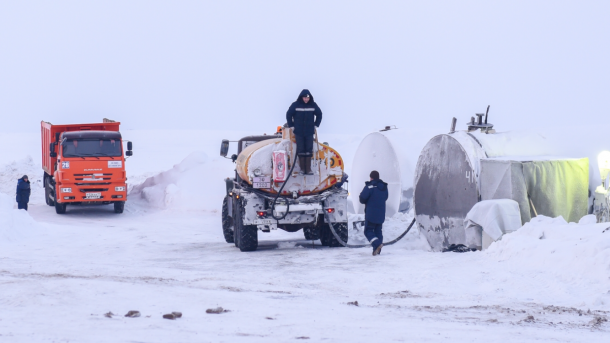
393,152
387,152
456,170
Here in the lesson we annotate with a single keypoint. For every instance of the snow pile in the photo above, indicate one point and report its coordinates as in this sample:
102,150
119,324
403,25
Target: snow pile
195,184
577,254
15,225
10,173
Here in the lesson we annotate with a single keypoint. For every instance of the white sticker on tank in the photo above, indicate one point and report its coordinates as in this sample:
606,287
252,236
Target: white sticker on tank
115,164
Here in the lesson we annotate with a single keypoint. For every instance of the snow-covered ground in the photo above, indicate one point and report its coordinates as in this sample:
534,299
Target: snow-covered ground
61,274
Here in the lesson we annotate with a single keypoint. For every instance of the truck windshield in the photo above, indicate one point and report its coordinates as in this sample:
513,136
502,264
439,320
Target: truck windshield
91,147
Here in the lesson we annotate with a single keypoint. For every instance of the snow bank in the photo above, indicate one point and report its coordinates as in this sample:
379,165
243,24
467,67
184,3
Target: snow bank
9,174
15,225
195,184
577,254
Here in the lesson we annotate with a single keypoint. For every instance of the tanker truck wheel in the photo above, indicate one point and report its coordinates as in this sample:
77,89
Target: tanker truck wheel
324,232
311,233
328,239
246,236
60,208
119,206
227,222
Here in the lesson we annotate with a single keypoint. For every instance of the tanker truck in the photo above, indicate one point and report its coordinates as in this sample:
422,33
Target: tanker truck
269,191
84,164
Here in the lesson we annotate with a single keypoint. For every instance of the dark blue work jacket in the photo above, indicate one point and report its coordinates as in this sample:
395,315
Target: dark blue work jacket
304,116
374,196
23,191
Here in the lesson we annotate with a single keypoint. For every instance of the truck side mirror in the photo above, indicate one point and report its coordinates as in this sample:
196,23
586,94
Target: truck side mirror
52,150
129,146
224,148
128,153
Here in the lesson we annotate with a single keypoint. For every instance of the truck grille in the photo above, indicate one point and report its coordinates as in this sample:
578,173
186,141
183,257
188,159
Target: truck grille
85,190
109,174
92,177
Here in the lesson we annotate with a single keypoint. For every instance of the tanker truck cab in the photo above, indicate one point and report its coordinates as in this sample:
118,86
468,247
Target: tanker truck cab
269,192
85,167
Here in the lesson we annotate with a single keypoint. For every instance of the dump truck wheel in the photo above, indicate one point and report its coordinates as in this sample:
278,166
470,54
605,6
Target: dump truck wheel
329,238
311,233
227,222
60,208
47,194
119,206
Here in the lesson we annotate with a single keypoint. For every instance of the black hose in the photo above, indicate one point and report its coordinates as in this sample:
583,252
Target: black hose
332,229
280,192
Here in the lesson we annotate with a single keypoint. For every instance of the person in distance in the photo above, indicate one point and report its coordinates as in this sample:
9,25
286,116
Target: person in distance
23,193
374,196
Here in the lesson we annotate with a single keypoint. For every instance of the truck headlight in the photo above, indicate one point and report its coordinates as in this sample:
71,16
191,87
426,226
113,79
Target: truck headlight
119,189
66,190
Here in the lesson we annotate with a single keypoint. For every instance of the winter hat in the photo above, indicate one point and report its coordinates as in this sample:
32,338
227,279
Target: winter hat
374,175
25,177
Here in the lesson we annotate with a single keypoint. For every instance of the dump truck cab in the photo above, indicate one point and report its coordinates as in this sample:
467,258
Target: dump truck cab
85,166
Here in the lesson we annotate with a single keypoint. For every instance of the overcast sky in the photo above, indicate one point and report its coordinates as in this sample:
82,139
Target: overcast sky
210,64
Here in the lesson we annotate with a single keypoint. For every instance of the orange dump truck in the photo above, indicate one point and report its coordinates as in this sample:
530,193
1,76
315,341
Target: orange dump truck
84,164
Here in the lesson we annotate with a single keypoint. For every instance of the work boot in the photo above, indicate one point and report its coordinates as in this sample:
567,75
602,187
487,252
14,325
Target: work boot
308,165
302,164
378,250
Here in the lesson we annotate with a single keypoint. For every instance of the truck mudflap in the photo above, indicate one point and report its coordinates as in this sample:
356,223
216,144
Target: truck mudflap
335,203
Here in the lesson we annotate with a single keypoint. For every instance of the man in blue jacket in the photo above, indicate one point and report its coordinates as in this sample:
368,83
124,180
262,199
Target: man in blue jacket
23,193
374,196
304,116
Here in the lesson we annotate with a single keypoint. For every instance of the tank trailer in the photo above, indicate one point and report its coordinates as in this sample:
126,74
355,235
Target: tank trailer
269,192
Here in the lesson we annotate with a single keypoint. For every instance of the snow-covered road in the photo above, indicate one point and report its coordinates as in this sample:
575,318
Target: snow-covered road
59,281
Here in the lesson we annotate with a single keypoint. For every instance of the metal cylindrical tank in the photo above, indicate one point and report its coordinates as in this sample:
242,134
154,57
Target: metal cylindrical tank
386,152
446,183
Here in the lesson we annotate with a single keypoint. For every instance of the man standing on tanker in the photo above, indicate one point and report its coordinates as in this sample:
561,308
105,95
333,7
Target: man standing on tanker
304,116
374,196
